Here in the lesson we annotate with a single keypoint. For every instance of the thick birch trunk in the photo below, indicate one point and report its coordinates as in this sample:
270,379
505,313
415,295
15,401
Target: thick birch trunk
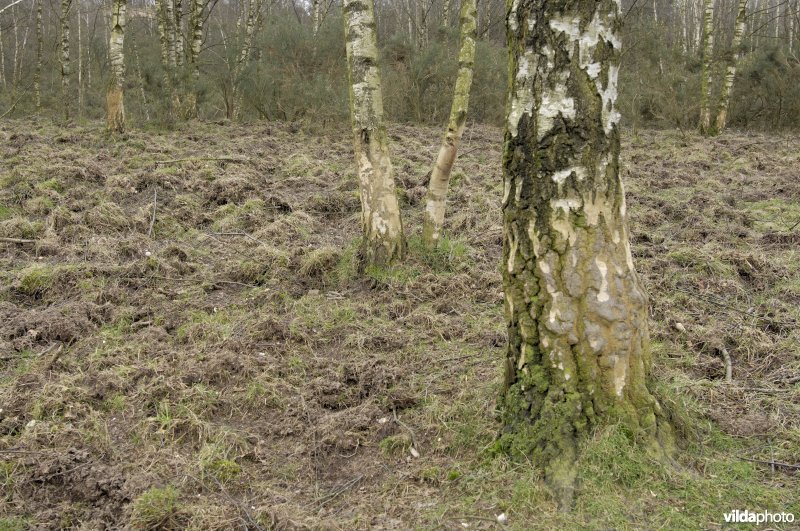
380,212
37,76
705,80
115,96
436,199
730,71
578,347
65,66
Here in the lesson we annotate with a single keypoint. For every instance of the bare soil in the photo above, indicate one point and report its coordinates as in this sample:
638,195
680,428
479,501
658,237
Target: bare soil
198,328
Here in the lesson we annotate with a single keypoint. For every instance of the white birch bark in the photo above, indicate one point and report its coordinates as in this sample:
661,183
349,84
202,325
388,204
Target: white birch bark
37,75
115,96
380,212
65,61
436,198
705,80
730,70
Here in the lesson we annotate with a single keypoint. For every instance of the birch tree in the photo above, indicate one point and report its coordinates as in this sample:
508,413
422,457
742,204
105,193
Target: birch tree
436,199
37,74
115,96
705,79
730,71
383,240
65,64
578,347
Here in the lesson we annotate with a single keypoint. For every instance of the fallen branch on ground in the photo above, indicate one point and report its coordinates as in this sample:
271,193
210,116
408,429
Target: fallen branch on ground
202,159
16,240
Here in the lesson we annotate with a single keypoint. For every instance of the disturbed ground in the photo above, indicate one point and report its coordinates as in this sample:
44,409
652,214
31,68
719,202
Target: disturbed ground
185,341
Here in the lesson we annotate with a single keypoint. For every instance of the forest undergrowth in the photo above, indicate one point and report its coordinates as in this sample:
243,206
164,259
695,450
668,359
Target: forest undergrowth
186,342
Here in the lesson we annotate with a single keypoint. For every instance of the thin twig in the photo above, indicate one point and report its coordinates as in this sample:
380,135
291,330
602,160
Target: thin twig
201,159
410,431
347,486
153,218
771,463
54,359
726,358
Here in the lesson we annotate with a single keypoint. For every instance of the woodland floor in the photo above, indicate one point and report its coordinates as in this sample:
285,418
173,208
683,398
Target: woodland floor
225,367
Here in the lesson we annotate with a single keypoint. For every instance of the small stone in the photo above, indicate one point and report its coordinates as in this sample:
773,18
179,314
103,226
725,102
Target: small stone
31,424
383,420
413,451
502,518
680,328
313,292
148,254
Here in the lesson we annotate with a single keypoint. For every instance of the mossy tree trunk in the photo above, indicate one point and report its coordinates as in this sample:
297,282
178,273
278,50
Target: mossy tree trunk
578,348
705,79
730,71
436,199
115,97
380,212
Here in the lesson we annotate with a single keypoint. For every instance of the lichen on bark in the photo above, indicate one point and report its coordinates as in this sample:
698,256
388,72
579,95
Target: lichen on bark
577,354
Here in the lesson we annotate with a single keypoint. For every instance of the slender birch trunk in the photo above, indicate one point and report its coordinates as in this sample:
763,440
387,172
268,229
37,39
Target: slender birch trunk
436,199
65,64
37,75
316,15
730,72
115,95
250,26
578,348
380,212
2,59
169,16
88,59
705,80
80,63
197,36
180,50
142,93
15,63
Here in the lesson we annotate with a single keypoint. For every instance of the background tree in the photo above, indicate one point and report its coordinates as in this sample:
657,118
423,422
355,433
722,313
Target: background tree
578,347
380,213
705,83
730,68
115,98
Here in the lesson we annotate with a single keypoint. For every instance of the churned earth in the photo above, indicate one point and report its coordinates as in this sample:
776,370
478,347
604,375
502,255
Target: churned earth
186,342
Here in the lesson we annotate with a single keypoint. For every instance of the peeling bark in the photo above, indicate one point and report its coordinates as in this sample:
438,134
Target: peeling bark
115,105
436,199
380,213
578,347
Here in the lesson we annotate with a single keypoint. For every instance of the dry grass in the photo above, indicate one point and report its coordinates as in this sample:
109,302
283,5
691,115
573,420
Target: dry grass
234,370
